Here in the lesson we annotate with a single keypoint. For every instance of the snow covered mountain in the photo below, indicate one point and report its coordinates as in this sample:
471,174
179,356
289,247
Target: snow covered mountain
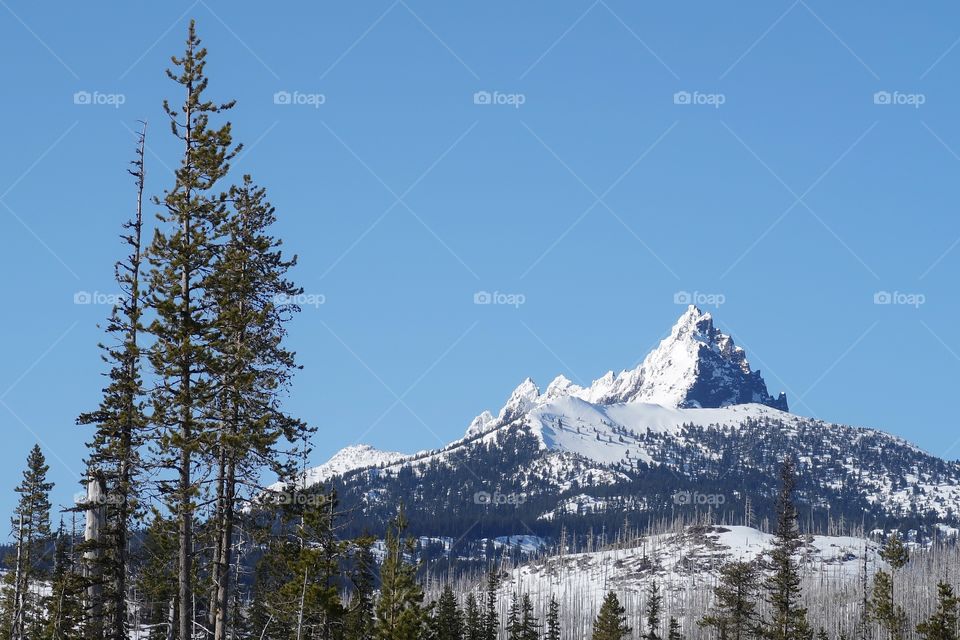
696,366
693,422
360,456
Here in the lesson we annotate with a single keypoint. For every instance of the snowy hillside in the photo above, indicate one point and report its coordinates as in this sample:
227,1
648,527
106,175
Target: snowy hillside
685,565
674,559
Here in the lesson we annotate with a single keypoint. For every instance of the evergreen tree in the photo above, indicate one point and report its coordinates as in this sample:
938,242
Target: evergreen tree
553,620
182,256
654,606
895,553
399,610
250,298
734,612
674,631
31,534
297,580
358,620
888,614
63,610
447,622
788,618
529,624
514,630
156,578
942,625
611,623
473,619
491,620
114,450
883,606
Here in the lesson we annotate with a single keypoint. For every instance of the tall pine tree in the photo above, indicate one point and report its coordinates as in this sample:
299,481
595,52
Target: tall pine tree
399,609
788,617
734,613
250,296
182,256
611,623
942,625
31,537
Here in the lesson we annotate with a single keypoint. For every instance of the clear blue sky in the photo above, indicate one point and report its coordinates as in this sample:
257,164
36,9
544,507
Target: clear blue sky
597,198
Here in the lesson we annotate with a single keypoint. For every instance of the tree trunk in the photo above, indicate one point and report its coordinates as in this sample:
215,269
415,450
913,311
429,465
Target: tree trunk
93,568
226,554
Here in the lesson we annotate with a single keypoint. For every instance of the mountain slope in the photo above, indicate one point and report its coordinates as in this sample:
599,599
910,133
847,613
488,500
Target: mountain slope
588,457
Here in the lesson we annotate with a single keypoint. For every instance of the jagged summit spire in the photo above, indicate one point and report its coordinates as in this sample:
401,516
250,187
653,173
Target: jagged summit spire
697,365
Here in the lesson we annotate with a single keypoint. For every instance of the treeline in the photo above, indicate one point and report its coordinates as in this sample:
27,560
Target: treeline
180,539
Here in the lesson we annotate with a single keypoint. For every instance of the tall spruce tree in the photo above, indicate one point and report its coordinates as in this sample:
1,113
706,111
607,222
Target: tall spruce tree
31,537
473,619
251,299
447,621
114,456
491,618
788,617
942,625
654,606
358,620
399,610
883,605
883,609
734,613
296,581
182,256
611,623
553,620
156,577
64,609
514,630
529,624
